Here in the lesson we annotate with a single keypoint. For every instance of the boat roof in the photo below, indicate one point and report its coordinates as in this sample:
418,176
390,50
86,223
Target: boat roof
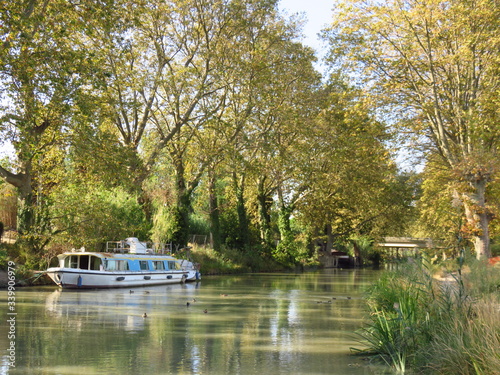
130,248
119,255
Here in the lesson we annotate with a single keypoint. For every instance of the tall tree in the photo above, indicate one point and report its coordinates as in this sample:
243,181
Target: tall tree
42,69
274,109
166,65
349,166
436,64
159,70
264,61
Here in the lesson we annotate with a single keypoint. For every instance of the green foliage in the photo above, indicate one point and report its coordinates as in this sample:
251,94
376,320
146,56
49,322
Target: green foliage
285,253
198,224
365,246
439,215
398,321
91,215
420,323
4,258
230,229
97,155
167,225
495,248
468,346
381,43
43,67
233,261
350,176
127,123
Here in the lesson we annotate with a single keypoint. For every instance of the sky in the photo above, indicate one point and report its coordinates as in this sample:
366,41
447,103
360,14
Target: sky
318,14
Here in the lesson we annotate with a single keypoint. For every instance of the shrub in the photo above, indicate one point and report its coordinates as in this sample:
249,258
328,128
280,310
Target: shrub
90,216
446,327
233,261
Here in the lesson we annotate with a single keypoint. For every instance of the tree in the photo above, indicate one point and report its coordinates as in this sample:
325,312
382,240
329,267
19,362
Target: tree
281,90
348,170
241,138
440,214
42,70
167,67
435,64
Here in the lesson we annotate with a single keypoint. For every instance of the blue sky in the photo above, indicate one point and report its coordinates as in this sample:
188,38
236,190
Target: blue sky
318,13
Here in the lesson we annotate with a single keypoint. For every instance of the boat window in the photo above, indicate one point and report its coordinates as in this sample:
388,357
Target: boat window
158,265
144,265
95,263
84,262
115,265
173,265
71,261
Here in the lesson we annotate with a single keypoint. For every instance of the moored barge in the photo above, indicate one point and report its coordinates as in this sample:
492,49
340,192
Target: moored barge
128,263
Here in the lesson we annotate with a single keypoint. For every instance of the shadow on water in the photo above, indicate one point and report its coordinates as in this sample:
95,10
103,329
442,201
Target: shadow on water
246,324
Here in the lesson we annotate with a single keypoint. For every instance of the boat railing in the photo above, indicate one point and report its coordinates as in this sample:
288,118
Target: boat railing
124,247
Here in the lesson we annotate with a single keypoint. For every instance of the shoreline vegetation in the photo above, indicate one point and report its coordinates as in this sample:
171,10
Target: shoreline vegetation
436,319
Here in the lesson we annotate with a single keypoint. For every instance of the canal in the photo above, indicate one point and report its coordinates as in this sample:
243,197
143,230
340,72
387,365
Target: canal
246,324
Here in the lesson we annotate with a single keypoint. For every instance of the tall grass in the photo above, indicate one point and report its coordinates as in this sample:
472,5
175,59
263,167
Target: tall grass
438,327
468,345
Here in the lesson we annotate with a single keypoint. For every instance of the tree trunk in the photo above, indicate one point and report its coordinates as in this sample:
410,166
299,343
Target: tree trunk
23,183
214,213
478,218
357,254
284,224
264,202
239,187
329,238
183,204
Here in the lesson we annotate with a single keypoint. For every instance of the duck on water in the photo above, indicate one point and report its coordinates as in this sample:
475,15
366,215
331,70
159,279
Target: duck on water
128,263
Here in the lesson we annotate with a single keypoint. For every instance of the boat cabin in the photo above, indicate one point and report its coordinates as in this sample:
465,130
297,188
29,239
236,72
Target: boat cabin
100,262
82,261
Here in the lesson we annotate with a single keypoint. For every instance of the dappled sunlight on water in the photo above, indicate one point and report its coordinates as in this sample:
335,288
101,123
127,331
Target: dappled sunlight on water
250,324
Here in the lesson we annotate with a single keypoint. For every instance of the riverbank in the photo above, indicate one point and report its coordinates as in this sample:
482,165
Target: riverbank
428,325
30,278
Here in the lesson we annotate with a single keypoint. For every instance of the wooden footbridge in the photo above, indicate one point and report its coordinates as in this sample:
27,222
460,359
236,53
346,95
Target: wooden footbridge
404,246
393,247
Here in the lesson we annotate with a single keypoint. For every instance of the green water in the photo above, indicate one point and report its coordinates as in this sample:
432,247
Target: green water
254,324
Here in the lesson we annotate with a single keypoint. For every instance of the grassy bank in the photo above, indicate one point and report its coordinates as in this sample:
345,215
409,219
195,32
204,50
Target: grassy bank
430,321
233,261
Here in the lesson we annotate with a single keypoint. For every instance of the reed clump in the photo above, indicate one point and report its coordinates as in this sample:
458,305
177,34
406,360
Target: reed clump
427,325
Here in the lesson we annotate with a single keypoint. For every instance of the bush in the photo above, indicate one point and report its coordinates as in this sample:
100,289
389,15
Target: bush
229,261
91,216
3,258
446,327
167,225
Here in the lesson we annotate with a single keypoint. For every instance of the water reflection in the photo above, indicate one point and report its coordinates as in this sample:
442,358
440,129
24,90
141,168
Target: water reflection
253,324
120,308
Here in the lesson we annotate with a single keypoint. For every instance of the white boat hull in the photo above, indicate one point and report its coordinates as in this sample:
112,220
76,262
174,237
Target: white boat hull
86,279
124,264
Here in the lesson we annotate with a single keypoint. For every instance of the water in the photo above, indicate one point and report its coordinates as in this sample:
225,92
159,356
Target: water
253,324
